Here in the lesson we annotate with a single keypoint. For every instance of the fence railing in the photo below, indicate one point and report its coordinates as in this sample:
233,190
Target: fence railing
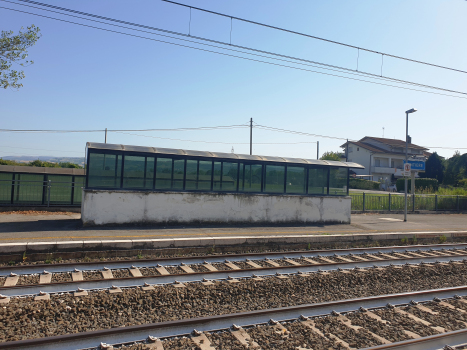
395,202
40,193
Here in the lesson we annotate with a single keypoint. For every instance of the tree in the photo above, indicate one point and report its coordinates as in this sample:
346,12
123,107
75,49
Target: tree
331,156
14,49
434,168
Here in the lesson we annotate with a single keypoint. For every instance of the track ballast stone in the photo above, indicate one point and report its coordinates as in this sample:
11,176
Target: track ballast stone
22,318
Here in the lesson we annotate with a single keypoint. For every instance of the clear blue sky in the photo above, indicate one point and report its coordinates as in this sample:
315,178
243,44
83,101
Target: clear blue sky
89,79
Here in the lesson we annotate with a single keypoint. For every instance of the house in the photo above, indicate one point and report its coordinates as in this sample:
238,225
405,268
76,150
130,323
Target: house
382,158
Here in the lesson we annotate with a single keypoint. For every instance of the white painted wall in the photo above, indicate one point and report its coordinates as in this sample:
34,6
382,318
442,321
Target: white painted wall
100,207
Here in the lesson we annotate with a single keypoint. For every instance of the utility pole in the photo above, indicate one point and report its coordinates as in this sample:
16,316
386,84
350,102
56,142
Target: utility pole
251,136
317,149
105,135
347,151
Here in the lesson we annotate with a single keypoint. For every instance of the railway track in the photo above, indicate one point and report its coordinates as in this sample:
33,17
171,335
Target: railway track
418,320
113,275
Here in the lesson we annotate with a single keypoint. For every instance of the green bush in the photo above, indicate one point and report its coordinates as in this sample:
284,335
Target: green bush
363,184
419,184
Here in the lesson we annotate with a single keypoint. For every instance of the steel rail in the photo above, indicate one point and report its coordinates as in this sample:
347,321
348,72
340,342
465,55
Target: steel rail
131,282
128,334
119,264
433,342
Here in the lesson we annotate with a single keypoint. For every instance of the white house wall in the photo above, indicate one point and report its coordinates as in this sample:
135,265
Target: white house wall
361,157
101,207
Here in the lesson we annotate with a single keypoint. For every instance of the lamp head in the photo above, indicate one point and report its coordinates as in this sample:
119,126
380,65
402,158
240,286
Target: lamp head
413,110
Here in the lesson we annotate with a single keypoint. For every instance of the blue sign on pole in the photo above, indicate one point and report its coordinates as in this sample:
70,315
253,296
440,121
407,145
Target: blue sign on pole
417,165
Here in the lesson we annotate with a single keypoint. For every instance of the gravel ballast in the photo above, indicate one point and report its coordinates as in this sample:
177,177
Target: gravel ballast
22,318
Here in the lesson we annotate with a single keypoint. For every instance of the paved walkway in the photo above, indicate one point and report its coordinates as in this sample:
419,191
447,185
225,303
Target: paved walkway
67,227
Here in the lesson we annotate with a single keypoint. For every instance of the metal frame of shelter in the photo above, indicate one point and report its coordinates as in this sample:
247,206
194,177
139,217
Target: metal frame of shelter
213,157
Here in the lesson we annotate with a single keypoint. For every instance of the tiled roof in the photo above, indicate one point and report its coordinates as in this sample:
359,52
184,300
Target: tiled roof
393,142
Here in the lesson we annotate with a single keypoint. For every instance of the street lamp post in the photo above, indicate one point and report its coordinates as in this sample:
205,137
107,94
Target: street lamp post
413,110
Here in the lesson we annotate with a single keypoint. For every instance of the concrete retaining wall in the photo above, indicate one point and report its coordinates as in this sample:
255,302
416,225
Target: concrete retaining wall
101,207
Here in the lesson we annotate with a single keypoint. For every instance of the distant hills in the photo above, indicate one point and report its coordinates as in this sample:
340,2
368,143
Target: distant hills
27,159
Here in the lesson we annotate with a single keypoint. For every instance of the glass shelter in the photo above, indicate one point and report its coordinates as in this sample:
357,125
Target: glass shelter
120,167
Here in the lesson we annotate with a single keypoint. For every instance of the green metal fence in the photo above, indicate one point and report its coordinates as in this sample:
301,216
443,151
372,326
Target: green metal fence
40,190
395,202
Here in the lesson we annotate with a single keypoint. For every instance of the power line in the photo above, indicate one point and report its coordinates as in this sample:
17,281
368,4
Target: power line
299,132
131,130
310,36
38,149
301,61
215,142
252,59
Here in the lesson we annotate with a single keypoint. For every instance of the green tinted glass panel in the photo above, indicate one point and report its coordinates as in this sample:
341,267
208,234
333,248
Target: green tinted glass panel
318,181
5,187
104,170
338,181
217,176
179,170
191,175
252,178
204,176
164,173
274,179
60,189
295,180
28,189
78,192
241,180
229,176
149,172
134,172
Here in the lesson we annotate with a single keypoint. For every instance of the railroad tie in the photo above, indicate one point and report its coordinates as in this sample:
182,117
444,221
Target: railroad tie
42,296
115,289
147,287
154,343
201,340
326,259
342,258
253,264
77,275
292,262
231,265
186,268
311,324
359,257
452,307
344,320
272,263
387,256
374,257
107,273
416,254
11,280
402,255
419,320
80,293
209,267
375,317
162,270
45,277
243,337
178,284
308,260
4,299
135,272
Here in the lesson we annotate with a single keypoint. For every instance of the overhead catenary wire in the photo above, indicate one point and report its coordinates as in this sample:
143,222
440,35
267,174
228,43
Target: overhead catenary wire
257,60
218,142
130,130
310,36
277,56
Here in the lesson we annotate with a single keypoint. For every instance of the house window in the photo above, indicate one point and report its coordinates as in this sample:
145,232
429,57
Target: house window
377,162
358,149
